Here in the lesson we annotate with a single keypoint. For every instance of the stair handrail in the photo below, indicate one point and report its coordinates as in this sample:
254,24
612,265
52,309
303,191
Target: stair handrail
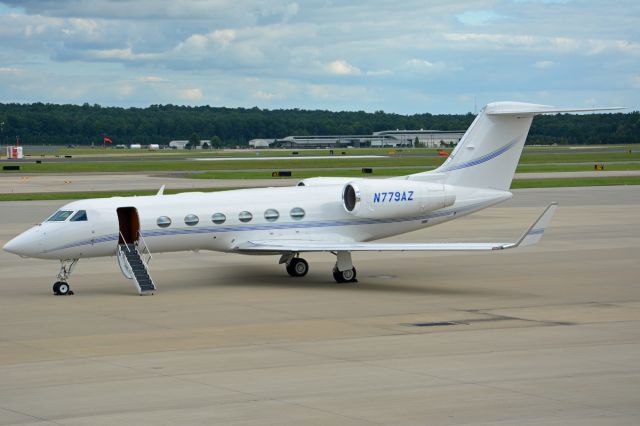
125,267
125,241
145,247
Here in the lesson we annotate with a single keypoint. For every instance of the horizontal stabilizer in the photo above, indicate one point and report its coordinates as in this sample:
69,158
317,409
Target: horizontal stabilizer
532,236
520,108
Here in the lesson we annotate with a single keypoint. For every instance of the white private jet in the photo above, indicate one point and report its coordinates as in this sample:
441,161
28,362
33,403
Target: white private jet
336,215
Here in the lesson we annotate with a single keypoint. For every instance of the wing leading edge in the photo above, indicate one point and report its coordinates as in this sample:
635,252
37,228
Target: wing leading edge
532,236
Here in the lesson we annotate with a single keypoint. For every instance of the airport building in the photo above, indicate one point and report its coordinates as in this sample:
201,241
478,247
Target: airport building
385,138
181,144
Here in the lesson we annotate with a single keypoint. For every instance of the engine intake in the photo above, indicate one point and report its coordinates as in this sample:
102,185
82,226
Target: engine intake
376,199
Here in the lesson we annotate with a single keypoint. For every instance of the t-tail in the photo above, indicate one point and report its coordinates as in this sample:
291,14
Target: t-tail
488,153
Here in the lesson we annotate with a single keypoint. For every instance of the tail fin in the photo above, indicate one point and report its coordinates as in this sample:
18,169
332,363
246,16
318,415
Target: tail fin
488,153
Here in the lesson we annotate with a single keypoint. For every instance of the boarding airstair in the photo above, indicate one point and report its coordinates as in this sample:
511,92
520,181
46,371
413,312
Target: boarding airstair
134,266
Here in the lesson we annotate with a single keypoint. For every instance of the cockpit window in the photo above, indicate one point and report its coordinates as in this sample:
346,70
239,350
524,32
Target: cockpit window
60,216
80,216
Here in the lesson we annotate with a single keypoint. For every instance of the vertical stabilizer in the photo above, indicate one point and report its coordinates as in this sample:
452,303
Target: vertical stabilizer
488,153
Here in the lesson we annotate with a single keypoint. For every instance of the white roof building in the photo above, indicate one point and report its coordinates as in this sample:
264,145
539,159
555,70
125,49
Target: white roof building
181,144
385,138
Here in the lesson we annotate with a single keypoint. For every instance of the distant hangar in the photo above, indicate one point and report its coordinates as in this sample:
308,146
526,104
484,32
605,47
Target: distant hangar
385,138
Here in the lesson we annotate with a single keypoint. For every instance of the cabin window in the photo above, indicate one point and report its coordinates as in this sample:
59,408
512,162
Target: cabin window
80,216
297,213
164,221
271,215
191,219
218,218
60,216
245,216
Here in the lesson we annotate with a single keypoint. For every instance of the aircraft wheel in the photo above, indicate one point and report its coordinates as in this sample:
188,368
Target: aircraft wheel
62,287
348,276
298,267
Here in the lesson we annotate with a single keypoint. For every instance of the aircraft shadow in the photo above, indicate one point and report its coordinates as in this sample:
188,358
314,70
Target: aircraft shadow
265,277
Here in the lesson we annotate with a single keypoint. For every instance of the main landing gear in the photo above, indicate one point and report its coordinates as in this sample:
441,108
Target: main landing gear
297,267
61,287
343,271
347,276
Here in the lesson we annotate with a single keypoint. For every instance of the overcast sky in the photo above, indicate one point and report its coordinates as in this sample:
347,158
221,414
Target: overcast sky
410,56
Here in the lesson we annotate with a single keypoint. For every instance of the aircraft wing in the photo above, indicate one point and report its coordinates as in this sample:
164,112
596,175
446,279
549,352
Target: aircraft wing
532,236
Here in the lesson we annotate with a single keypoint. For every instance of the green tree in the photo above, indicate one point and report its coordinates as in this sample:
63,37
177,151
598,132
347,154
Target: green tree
216,142
194,141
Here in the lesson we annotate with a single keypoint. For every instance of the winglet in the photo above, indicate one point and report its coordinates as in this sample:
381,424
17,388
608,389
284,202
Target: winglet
160,191
535,231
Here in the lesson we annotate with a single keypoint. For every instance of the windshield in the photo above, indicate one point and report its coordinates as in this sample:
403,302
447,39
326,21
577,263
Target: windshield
60,216
80,216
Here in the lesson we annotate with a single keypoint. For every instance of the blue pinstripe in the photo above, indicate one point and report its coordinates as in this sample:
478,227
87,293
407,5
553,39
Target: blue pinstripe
482,159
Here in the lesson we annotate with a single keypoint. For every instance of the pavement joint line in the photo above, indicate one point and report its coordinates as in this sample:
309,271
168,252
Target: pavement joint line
495,387
43,419
474,383
256,397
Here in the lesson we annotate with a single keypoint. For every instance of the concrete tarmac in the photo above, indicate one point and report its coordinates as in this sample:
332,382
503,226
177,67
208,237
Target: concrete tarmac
81,182
547,335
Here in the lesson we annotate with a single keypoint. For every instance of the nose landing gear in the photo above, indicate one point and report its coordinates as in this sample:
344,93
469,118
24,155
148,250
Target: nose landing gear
61,287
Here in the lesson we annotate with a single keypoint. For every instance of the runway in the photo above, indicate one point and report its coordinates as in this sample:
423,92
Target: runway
548,335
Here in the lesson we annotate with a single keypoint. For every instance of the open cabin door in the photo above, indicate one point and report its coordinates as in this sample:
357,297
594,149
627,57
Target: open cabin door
129,224
131,246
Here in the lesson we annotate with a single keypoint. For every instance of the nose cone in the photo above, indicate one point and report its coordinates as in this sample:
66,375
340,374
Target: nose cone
22,245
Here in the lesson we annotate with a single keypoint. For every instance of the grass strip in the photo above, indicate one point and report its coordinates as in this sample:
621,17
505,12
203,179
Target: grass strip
574,182
379,171
170,166
39,196
302,174
528,160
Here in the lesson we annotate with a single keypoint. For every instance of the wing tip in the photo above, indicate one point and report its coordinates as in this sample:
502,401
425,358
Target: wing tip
534,234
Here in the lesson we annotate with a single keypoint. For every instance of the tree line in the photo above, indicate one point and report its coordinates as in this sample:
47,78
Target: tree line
42,124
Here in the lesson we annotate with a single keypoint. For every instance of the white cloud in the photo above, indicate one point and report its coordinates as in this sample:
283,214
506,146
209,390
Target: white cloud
478,17
10,70
342,67
194,94
543,64
379,73
264,96
424,66
151,79
124,90
223,37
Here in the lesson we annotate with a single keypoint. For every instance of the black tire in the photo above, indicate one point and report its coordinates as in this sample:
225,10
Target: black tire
56,288
297,267
348,276
63,289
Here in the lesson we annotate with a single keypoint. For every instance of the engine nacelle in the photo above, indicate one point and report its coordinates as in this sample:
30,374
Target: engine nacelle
377,199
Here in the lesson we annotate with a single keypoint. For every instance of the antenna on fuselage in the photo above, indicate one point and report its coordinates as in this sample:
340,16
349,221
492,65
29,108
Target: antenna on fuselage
160,191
